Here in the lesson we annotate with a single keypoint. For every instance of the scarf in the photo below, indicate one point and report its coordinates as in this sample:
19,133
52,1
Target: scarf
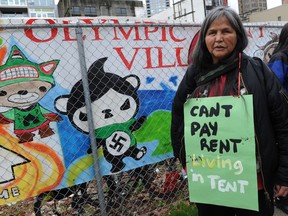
214,71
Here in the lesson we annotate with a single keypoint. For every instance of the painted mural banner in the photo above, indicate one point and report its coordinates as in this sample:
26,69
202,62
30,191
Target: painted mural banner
134,67
133,73
220,151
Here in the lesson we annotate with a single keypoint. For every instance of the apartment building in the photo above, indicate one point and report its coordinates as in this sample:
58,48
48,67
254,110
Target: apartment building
156,6
68,8
189,10
274,14
247,7
28,8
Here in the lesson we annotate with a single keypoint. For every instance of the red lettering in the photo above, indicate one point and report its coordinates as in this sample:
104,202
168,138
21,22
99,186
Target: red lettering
120,33
249,34
147,31
67,33
178,57
149,62
261,32
125,61
148,57
95,29
126,35
173,37
160,59
164,35
30,35
87,21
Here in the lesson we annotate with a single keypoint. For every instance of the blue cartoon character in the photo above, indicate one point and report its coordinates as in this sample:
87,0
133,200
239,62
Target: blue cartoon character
22,84
114,102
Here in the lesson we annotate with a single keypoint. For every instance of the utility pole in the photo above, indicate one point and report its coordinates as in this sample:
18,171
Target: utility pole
204,4
174,16
192,9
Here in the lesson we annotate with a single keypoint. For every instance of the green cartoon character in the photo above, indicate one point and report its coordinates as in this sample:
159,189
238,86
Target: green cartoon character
22,84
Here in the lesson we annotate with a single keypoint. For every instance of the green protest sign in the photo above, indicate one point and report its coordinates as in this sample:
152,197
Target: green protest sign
220,151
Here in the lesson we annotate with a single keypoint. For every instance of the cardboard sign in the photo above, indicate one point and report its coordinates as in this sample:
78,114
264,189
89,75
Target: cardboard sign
220,151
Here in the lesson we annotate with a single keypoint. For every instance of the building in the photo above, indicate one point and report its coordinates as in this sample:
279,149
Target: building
210,4
189,10
28,8
274,14
69,8
156,6
247,7
182,10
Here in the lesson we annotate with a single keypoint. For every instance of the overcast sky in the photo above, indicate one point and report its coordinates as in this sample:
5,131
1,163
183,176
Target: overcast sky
270,3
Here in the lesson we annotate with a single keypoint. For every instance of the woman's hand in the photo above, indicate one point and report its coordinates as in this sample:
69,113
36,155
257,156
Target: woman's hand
280,191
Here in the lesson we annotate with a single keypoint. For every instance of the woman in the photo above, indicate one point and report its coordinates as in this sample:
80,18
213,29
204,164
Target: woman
217,60
279,65
279,59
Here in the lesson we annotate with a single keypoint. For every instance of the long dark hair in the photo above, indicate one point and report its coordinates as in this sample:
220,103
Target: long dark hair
283,40
201,56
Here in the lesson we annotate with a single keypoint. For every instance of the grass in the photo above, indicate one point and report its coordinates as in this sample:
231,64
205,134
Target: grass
183,208
139,202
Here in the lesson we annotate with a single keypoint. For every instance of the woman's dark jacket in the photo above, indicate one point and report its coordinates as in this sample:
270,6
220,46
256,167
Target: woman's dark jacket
270,103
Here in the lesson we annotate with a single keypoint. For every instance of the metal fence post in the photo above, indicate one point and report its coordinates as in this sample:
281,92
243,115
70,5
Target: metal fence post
83,68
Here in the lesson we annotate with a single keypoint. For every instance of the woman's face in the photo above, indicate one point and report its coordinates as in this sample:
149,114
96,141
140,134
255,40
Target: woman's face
220,39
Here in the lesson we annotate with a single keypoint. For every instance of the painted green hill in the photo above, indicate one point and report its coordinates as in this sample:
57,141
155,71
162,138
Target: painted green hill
156,127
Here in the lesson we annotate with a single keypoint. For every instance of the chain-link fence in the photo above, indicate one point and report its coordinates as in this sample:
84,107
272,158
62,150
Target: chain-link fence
85,110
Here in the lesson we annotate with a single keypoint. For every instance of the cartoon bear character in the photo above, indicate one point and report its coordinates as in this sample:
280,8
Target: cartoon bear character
114,103
22,84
